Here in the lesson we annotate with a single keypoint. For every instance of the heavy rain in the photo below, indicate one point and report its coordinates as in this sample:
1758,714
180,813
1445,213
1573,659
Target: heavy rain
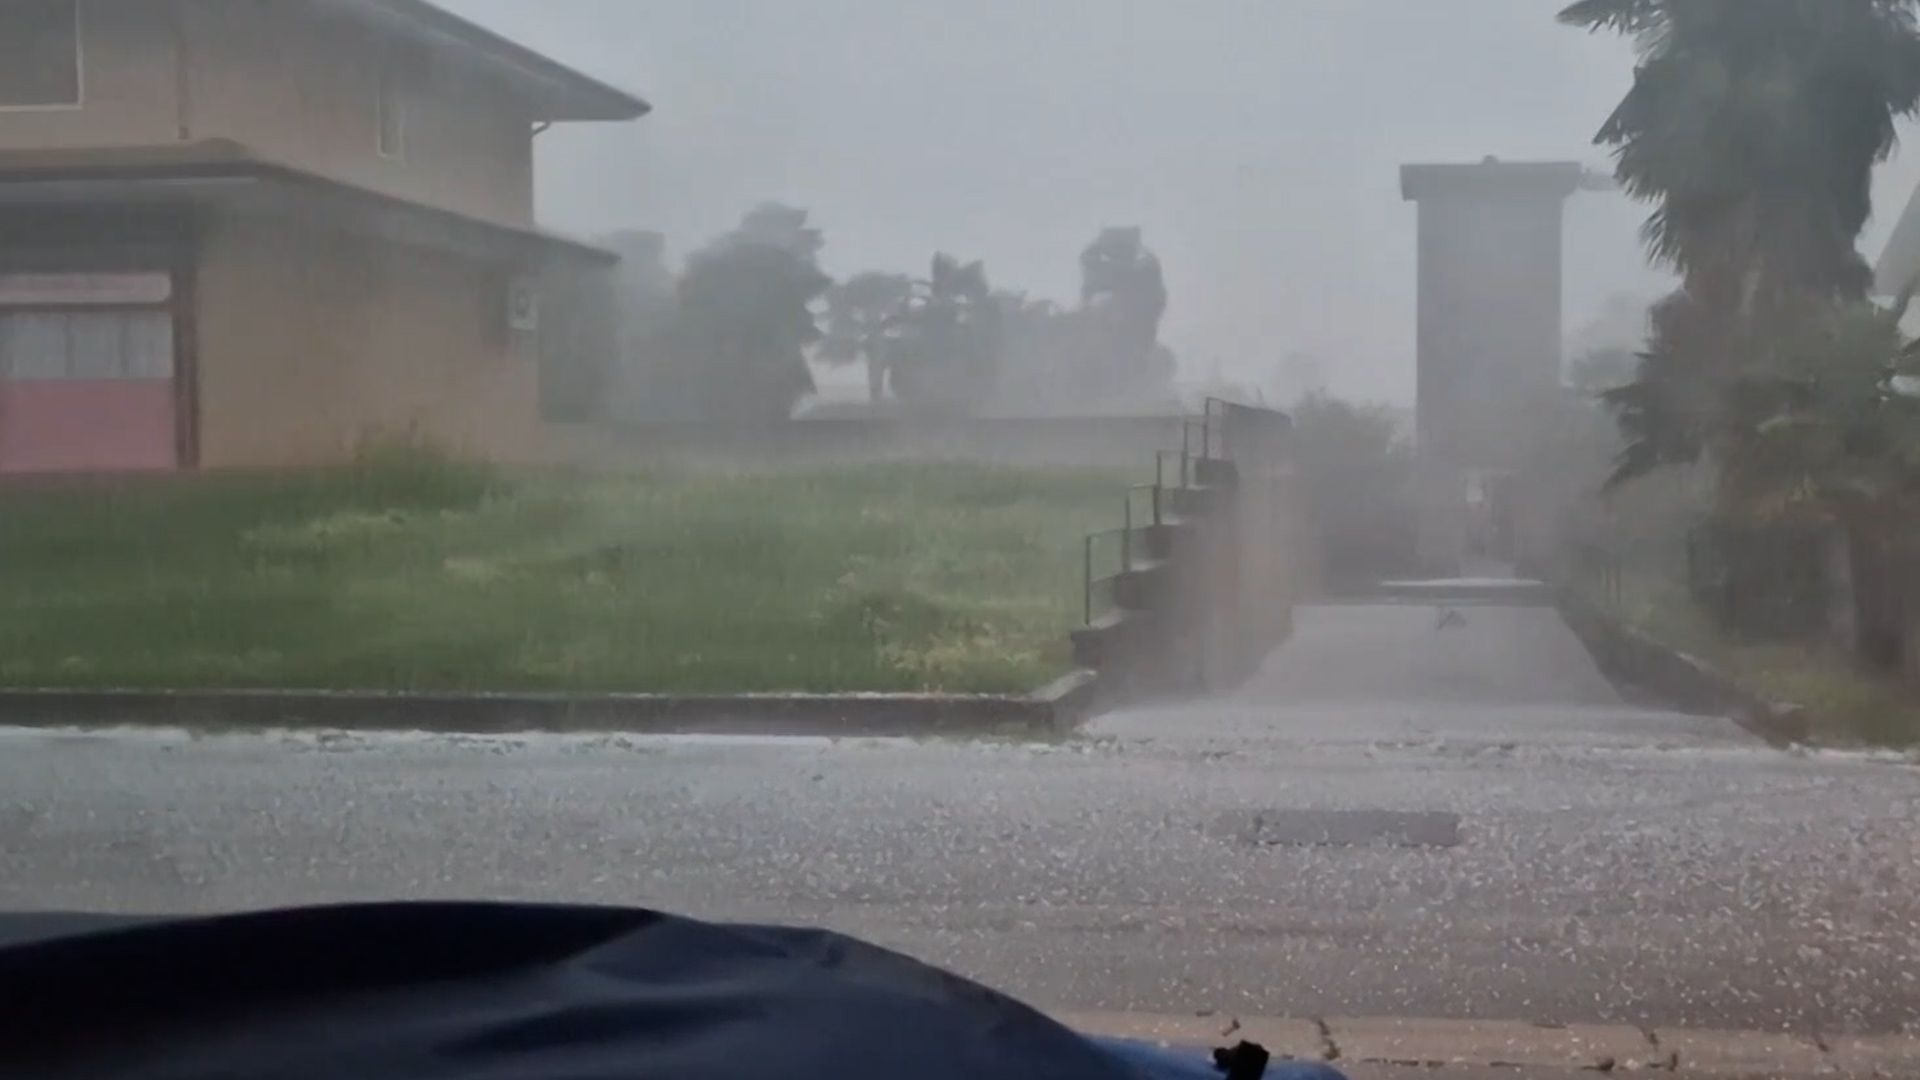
1377,529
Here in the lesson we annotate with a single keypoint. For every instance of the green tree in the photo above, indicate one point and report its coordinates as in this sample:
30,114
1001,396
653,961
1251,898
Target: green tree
1123,298
1034,338
744,319
1597,371
1754,126
946,355
1357,466
862,314
1829,427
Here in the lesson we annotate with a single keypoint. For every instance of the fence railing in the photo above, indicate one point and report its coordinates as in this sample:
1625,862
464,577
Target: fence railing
1146,505
1102,562
1172,469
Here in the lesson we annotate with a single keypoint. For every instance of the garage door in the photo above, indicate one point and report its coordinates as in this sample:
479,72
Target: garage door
86,374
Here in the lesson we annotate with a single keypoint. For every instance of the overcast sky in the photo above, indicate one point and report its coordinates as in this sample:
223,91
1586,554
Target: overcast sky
1257,142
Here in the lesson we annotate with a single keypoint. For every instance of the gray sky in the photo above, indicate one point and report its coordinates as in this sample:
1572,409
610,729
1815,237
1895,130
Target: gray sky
1257,142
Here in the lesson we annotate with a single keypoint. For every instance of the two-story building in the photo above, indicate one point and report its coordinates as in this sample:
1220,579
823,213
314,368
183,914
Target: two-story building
240,233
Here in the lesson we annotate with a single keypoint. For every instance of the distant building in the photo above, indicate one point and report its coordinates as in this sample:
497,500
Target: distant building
1489,343
266,233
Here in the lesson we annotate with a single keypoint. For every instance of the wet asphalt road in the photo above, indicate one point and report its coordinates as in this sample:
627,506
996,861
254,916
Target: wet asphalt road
1391,820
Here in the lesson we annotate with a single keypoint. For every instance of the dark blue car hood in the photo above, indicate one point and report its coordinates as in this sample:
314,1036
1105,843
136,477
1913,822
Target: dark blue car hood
507,992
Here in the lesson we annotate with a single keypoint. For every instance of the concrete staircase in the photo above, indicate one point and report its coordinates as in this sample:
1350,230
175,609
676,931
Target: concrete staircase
1154,623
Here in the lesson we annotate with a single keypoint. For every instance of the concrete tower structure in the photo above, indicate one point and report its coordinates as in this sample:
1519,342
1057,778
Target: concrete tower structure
1489,343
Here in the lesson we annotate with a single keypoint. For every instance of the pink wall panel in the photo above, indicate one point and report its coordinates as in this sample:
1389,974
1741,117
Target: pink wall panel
86,425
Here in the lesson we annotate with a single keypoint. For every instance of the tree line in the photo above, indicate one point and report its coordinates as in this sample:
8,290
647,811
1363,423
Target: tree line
733,336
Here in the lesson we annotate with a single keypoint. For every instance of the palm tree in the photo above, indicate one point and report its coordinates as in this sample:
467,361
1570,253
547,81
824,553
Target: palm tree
1754,126
1119,275
861,315
947,352
1831,427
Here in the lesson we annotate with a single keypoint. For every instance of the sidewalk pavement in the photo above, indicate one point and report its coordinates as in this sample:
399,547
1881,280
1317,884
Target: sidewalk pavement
1410,1048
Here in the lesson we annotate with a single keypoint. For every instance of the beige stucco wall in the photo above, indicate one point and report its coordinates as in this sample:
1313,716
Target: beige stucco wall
128,81
312,344
299,86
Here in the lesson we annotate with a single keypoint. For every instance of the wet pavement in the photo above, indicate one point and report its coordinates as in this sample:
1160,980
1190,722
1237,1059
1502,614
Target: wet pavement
1395,818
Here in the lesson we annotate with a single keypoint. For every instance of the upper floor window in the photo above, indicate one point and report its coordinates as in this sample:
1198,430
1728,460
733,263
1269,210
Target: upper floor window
39,53
390,113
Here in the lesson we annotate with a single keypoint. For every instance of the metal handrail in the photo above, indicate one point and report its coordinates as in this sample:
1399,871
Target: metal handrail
1088,578
1187,455
1154,501
1207,411
1213,417
1160,459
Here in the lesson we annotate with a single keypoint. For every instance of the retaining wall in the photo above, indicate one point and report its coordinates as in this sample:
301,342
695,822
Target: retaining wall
1639,663
1109,441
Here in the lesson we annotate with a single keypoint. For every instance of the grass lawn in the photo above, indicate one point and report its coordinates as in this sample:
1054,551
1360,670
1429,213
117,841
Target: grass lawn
408,573
1843,703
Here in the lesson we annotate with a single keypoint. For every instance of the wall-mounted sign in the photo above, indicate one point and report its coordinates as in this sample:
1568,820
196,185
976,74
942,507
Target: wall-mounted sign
36,290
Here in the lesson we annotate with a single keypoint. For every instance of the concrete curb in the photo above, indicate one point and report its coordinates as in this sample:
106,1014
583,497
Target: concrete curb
1056,708
1072,699
1632,658
1372,1046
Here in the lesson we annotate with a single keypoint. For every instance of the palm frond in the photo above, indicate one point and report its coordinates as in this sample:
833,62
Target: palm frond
1617,16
